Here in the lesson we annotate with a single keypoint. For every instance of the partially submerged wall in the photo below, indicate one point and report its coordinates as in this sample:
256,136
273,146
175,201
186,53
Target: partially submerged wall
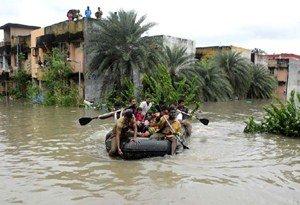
294,76
93,79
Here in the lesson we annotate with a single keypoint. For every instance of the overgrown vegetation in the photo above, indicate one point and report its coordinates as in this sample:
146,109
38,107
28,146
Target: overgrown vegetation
281,119
59,90
120,48
22,80
120,94
262,84
211,80
237,70
34,93
158,86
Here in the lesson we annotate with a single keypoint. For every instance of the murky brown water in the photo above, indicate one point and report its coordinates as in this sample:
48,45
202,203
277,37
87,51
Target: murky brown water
47,158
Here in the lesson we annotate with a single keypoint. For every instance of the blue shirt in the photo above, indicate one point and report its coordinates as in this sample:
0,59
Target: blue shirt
88,13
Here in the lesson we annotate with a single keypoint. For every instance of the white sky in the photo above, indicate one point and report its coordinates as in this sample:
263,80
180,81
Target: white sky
271,25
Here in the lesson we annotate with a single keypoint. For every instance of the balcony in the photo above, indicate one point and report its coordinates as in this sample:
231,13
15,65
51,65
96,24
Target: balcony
283,63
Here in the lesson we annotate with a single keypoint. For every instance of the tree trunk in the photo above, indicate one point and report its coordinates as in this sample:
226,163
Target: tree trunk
137,82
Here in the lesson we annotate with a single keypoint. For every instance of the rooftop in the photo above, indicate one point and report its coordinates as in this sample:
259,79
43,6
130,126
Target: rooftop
16,25
221,47
284,56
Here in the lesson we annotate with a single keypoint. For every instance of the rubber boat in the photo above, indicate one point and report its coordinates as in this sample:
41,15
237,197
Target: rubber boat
145,148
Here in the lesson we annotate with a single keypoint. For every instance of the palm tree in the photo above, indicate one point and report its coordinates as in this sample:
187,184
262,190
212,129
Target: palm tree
237,70
262,83
120,49
176,59
212,81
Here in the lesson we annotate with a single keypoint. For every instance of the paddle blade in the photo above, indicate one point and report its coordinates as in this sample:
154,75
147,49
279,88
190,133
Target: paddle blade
184,146
204,121
85,120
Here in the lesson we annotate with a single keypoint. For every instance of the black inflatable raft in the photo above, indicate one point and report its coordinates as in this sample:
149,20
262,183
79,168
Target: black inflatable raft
145,148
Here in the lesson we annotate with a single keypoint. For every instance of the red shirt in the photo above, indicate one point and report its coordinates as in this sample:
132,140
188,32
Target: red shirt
139,117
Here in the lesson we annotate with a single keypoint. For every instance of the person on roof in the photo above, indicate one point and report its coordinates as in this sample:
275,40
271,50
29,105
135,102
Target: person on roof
88,12
99,13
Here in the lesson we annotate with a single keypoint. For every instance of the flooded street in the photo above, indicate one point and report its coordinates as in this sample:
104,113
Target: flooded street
46,157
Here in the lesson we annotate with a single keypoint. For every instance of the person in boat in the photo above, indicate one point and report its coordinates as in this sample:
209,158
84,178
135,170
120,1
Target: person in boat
139,115
168,126
145,105
150,125
140,122
133,105
184,110
125,127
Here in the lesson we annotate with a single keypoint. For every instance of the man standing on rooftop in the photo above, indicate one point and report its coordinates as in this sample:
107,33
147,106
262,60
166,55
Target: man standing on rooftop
88,12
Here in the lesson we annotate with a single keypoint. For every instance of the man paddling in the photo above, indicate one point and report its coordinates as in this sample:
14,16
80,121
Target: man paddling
125,127
169,127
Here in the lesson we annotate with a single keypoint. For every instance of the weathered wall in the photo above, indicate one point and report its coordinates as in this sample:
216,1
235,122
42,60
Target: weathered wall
208,52
65,27
20,31
294,76
7,35
282,75
246,53
261,60
76,56
174,41
36,54
93,80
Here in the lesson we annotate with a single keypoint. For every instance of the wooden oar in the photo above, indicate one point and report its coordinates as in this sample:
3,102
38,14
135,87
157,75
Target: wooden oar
86,120
204,121
175,134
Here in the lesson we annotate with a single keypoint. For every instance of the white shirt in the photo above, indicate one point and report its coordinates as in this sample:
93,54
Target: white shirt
145,107
179,116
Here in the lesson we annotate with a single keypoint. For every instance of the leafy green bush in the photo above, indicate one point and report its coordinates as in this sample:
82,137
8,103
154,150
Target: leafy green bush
22,80
121,94
58,88
33,91
158,86
283,119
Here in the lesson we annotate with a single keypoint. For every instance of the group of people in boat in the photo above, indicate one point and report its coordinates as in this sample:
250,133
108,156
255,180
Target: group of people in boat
138,121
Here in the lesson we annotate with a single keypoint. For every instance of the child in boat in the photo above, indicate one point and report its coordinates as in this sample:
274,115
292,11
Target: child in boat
140,122
138,115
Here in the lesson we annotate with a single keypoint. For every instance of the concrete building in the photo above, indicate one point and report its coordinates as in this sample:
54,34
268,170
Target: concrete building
16,42
285,68
210,51
294,76
75,38
172,41
259,57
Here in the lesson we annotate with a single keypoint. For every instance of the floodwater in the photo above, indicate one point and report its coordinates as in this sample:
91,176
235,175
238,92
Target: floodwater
46,157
